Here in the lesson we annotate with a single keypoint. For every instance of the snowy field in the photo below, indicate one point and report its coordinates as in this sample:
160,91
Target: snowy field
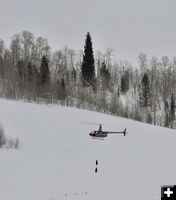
57,158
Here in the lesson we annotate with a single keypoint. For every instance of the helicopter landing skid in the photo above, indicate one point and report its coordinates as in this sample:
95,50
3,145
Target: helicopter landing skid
97,138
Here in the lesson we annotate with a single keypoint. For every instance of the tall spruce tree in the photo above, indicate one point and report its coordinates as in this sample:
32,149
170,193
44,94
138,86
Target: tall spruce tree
63,92
29,73
44,72
21,74
144,91
172,110
125,82
21,70
105,76
166,109
88,67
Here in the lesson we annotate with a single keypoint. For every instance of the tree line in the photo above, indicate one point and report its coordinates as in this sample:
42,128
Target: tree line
30,71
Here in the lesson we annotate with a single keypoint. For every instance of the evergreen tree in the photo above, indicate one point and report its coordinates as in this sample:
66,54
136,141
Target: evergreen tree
144,92
172,110
29,72
166,109
63,89
73,73
88,68
105,75
149,118
21,70
21,75
62,93
29,78
36,76
125,82
166,122
44,72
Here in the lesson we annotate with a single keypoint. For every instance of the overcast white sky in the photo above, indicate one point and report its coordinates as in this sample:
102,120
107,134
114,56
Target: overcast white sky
128,26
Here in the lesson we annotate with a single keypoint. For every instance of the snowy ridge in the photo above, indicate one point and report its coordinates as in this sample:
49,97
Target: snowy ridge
57,158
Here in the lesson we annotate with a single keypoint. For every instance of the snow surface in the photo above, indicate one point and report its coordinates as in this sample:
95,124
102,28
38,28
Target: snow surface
57,158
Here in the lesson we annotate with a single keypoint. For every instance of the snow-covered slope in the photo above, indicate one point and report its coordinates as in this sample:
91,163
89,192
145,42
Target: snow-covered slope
57,158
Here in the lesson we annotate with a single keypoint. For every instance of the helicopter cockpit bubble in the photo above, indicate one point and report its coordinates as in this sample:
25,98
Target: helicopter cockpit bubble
93,133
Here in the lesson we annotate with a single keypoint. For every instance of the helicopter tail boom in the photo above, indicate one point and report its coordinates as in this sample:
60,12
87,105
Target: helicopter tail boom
118,132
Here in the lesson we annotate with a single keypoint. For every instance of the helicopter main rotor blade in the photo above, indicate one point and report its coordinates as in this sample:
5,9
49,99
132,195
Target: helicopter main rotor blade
93,123
90,123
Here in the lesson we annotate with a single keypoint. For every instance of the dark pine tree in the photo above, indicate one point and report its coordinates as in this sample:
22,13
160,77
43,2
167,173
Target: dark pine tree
88,67
62,93
166,109
145,91
21,70
73,75
44,72
29,75
172,110
63,89
105,75
125,82
21,74
29,78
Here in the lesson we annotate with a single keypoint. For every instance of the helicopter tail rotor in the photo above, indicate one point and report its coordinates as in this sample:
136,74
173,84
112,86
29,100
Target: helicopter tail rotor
124,132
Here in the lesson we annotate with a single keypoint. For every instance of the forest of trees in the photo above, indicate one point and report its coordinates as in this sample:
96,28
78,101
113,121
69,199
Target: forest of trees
30,71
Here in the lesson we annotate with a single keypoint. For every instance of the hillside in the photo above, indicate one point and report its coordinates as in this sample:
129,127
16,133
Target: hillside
57,157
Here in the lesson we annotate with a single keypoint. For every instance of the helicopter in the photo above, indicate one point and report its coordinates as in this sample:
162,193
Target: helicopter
102,134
